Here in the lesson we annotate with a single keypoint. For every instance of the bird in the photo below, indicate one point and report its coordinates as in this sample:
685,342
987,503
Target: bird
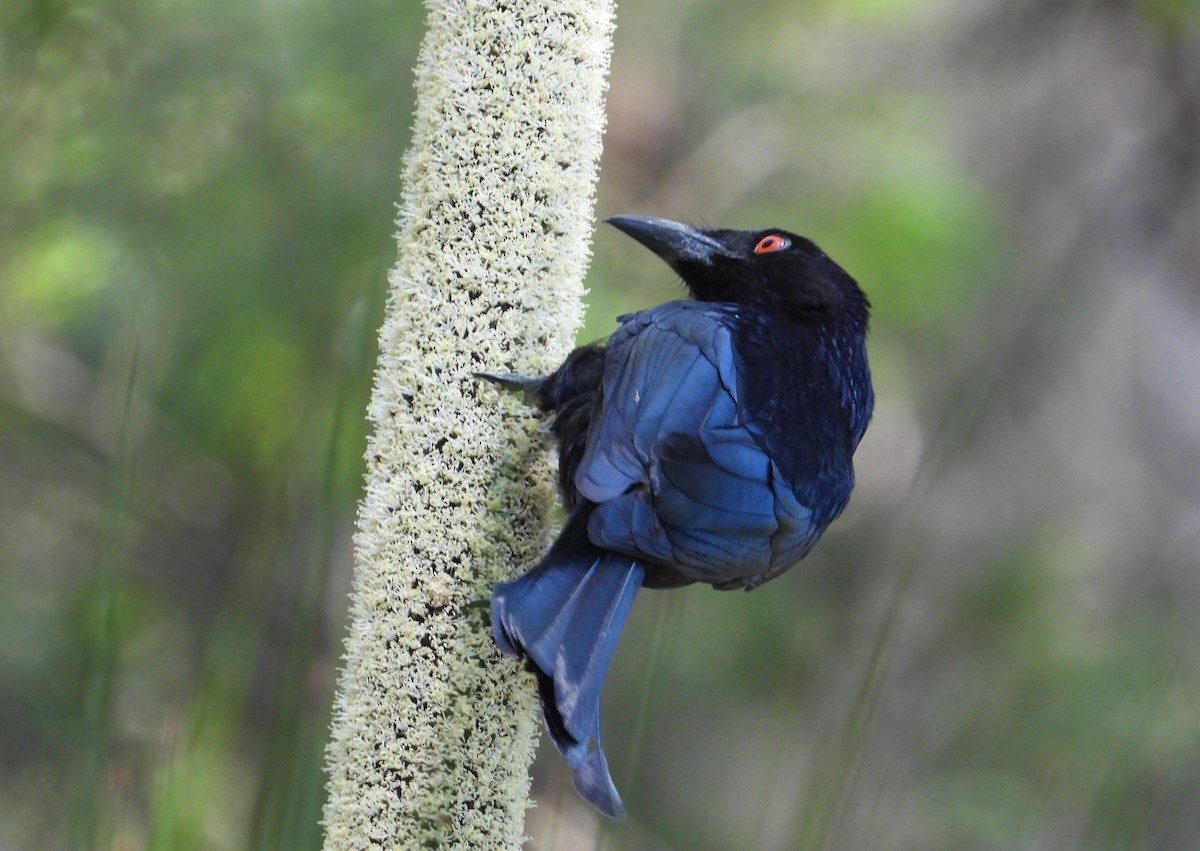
710,440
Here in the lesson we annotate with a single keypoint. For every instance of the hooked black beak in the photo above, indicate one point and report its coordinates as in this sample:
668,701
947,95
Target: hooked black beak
672,241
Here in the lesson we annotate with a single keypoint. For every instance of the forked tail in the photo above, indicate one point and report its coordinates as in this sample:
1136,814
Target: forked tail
566,615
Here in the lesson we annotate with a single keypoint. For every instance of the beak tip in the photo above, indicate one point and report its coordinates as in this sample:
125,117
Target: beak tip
623,220
672,241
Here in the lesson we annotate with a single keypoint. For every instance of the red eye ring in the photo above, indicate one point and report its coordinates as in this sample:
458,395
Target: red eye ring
772,242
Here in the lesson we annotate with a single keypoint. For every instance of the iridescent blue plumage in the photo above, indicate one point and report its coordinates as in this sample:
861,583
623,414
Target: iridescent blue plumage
710,440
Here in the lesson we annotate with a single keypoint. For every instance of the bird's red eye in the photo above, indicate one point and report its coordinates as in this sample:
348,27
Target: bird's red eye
774,242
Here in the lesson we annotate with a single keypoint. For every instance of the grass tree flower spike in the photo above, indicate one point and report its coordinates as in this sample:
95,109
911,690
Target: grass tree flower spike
433,729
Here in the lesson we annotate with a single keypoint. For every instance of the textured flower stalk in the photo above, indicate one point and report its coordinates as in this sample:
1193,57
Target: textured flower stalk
433,729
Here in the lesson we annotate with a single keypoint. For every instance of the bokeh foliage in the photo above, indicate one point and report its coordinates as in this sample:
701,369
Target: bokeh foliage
997,646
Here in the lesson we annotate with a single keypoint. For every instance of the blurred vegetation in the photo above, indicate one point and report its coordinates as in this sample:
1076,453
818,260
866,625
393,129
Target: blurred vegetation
997,646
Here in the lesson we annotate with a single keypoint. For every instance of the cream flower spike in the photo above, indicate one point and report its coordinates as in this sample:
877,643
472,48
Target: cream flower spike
433,730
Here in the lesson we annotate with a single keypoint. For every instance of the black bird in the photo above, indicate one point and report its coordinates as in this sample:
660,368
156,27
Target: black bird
710,440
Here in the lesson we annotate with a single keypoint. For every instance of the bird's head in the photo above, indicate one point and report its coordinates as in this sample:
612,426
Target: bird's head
776,271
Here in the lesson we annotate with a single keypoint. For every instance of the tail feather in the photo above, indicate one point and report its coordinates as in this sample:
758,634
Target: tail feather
566,616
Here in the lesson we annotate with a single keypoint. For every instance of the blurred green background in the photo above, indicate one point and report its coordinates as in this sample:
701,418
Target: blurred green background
998,645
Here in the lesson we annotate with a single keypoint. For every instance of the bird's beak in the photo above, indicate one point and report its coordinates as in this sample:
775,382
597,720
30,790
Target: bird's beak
671,241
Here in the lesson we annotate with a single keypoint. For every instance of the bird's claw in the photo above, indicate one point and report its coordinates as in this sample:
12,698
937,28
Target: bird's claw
527,385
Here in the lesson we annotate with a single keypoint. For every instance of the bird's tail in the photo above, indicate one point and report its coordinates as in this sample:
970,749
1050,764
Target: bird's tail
566,615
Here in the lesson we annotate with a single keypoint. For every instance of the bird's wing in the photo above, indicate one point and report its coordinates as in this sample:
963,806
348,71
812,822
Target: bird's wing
678,477
667,370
